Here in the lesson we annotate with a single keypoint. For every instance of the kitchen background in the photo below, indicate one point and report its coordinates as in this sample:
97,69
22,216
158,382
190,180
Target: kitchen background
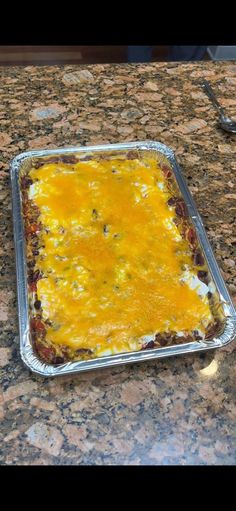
49,55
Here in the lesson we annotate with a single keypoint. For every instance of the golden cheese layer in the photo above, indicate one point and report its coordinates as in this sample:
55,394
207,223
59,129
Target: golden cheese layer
112,258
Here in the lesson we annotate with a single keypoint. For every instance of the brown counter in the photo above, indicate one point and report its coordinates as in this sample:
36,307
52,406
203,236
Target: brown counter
172,411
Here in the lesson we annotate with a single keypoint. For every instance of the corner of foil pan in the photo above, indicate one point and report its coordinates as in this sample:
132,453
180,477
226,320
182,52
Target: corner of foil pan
229,333
34,364
17,160
157,146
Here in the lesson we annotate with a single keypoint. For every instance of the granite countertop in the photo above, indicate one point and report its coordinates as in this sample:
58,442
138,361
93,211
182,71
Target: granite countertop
179,410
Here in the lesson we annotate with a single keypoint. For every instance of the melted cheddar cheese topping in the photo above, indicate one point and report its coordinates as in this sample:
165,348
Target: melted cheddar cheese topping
112,258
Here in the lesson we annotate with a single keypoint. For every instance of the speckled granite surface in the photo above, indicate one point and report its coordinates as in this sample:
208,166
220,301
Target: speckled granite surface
174,411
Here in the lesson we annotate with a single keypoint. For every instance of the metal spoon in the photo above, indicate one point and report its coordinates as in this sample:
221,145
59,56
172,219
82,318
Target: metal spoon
225,122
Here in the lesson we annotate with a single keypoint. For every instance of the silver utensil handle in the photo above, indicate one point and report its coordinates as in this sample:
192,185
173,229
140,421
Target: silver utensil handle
211,95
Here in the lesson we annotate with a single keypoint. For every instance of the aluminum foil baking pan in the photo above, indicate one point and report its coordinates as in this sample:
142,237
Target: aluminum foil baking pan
22,162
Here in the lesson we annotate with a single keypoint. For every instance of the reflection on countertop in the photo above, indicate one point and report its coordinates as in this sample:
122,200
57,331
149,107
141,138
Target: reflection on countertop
179,410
